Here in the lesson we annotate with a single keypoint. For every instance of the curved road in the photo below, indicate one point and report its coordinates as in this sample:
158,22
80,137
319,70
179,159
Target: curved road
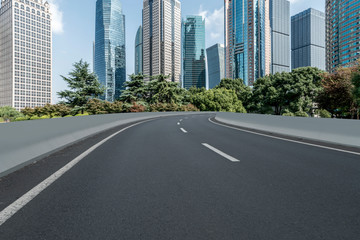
188,178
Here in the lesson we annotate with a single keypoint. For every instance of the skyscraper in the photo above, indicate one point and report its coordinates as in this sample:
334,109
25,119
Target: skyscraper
194,70
280,35
25,53
162,38
216,64
110,54
247,39
139,51
308,39
342,33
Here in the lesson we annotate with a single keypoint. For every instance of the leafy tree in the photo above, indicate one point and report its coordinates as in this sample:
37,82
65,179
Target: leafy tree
135,89
242,91
221,100
9,114
28,112
356,91
83,86
62,110
160,90
337,93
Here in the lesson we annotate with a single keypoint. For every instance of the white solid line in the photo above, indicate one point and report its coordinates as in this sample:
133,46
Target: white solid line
221,153
184,131
8,212
288,140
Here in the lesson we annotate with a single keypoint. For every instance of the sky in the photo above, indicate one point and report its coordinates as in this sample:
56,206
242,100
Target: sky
74,29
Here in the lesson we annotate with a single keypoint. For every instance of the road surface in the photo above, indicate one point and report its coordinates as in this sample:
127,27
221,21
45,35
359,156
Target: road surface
187,178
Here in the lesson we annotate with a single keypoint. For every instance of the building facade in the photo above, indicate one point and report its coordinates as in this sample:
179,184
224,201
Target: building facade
247,39
216,64
280,36
25,53
110,51
194,65
308,39
139,51
342,33
162,38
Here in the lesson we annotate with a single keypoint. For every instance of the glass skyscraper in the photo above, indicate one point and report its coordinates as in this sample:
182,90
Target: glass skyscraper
342,33
25,53
280,35
139,51
216,64
110,54
247,39
162,38
194,70
308,39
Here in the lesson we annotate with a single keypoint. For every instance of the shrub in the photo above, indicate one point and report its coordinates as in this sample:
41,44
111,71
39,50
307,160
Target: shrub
19,119
189,108
80,115
68,116
35,118
301,114
288,114
323,113
1,120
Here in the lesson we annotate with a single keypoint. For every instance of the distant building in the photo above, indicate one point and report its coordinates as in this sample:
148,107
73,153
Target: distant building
25,53
194,66
342,33
162,38
280,35
139,51
247,39
216,64
308,39
110,51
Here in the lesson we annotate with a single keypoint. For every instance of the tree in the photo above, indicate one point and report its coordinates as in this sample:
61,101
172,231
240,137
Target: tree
160,90
356,91
135,89
220,100
83,86
337,93
9,114
284,92
242,91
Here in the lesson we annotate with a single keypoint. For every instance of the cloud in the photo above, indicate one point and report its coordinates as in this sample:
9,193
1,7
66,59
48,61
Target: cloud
57,17
214,22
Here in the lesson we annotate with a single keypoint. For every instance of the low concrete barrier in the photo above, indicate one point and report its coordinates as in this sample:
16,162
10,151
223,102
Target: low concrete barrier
22,143
335,131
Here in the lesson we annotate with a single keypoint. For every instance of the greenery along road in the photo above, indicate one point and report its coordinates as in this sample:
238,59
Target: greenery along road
302,92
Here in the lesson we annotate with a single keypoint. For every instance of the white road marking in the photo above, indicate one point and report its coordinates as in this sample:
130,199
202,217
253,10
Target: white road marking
183,130
178,123
232,159
288,140
12,209
181,120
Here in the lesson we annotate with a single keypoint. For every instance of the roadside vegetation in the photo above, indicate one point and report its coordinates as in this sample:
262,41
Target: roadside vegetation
304,92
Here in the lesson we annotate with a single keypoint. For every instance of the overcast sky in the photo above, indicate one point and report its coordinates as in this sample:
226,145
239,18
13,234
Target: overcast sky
74,29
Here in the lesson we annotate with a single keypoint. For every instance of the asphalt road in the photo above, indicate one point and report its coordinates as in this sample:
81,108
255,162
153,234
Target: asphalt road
188,178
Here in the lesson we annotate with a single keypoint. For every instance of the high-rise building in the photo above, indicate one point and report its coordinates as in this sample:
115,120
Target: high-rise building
25,53
280,35
247,39
110,51
194,70
139,51
216,64
162,38
308,39
342,33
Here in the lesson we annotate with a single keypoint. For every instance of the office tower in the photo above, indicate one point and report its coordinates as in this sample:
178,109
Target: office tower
25,53
162,38
280,35
194,71
216,64
247,39
342,33
308,39
110,57
139,51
